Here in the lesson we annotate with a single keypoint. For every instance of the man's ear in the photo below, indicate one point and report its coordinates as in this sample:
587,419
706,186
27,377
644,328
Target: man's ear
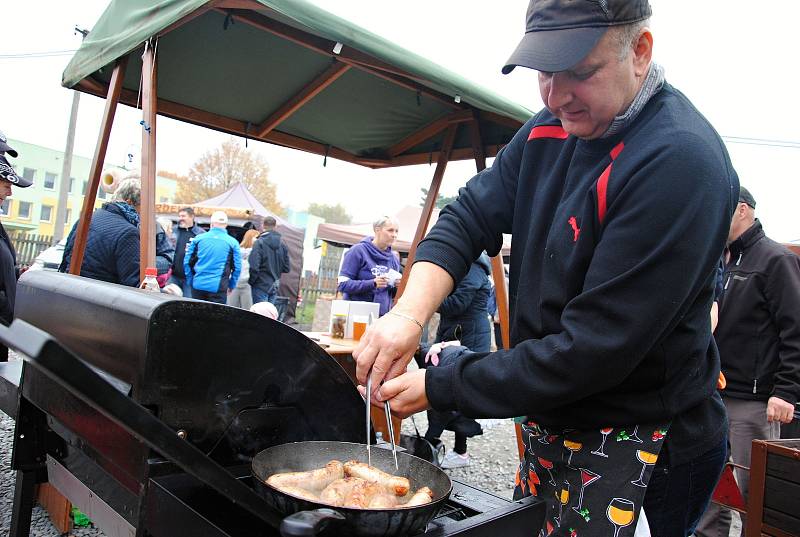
643,52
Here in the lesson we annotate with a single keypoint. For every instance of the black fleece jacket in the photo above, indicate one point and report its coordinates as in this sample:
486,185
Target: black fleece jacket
615,250
759,319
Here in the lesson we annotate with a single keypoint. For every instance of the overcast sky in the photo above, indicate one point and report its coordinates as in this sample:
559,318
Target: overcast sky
736,60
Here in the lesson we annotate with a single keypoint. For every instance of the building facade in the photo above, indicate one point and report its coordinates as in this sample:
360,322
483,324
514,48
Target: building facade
33,209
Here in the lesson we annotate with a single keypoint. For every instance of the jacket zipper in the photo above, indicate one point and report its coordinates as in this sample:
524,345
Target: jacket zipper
738,262
755,386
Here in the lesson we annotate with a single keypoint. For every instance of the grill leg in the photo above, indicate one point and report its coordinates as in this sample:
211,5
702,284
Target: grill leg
23,503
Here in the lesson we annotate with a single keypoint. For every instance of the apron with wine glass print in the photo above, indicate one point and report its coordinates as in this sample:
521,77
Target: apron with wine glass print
593,481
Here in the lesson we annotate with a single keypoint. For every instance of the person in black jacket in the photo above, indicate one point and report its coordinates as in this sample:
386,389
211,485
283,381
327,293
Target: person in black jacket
619,197
758,336
112,247
463,319
182,235
9,270
268,260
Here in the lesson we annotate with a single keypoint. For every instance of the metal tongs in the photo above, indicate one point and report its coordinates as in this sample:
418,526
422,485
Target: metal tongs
388,411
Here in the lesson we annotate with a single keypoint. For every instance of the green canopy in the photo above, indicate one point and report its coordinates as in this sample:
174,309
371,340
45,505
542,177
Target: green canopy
289,73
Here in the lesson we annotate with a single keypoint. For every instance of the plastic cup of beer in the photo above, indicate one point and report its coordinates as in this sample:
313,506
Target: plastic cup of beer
359,326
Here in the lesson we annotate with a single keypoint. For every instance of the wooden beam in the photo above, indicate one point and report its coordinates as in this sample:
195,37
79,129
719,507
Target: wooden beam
313,88
351,57
430,200
428,131
82,232
506,121
498,271
239,128
147,214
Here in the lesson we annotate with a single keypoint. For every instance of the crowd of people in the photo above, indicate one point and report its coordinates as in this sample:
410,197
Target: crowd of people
192,262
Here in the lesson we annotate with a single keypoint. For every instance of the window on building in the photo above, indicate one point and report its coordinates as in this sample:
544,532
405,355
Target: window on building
24,210
163,199
6,207
101,193
71,184
68,216
85,186
46,215
49,180
28,173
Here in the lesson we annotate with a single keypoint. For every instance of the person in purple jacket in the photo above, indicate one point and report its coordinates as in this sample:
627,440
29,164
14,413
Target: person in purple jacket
366,270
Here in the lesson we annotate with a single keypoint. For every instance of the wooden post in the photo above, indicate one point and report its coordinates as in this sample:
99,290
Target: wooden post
147,236
82,232
430,201
498,271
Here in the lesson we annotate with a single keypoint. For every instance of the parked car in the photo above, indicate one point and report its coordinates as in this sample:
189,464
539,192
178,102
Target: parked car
50,259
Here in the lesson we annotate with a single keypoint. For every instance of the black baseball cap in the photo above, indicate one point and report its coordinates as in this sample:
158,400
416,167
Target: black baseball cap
560,33
7,173
5,148
746,197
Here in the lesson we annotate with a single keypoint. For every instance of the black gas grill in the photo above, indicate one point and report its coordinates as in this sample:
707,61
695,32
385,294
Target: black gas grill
145,411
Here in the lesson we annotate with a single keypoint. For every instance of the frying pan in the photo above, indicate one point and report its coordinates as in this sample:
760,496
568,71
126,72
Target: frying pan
310,518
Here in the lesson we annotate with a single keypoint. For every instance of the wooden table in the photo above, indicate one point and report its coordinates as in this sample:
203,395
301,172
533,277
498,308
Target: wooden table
341,350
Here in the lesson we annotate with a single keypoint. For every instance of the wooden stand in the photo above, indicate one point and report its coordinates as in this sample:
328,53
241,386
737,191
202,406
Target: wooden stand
57,507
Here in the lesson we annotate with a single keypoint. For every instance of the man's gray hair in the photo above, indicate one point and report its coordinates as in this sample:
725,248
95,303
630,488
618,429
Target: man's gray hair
626,35
129,191
382,221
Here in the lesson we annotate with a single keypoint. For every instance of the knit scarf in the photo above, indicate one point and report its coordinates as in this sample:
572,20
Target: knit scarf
652,85
128,212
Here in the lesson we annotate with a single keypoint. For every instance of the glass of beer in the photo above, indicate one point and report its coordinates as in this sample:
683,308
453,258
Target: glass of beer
359,326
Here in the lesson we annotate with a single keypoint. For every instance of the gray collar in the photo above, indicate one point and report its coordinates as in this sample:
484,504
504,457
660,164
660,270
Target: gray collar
652,85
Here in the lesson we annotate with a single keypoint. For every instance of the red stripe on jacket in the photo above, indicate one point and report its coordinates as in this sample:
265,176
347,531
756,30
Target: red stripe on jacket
602,183
548,131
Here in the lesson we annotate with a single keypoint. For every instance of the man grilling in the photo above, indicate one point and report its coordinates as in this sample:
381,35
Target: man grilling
619,195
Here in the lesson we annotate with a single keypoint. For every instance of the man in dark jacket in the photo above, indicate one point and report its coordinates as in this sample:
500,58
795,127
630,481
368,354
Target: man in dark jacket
268,260
9,271
619,196
182,235
758,336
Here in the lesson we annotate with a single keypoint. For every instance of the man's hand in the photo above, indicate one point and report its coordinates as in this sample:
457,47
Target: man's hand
406,394
381,282
386,348
779,410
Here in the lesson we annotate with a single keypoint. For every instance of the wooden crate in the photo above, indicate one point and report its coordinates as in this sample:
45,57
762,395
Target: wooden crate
773,507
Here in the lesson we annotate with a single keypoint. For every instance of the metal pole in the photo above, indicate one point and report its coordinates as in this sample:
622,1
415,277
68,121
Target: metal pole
66,170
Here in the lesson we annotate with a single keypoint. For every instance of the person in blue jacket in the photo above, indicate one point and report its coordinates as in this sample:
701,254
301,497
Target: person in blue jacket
213,262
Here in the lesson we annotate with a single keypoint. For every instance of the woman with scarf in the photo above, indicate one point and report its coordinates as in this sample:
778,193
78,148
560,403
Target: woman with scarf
112,248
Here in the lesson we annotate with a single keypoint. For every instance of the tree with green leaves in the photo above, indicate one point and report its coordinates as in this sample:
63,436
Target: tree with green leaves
441,201
333,214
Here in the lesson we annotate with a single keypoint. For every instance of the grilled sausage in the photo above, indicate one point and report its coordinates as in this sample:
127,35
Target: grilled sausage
398,486
383,500
312,480
421,497
361,494
300,493
336,493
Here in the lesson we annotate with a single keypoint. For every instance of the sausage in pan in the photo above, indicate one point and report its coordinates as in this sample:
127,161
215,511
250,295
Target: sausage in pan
398,486
312,480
